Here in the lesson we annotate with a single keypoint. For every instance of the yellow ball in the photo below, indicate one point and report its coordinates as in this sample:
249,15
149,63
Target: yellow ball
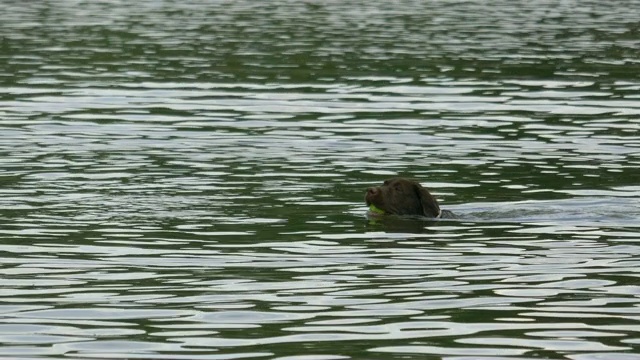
375,210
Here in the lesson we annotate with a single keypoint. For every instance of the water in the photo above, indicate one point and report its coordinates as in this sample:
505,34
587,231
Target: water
185,180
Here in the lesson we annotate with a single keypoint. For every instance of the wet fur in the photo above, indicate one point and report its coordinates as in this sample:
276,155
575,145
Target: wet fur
400,196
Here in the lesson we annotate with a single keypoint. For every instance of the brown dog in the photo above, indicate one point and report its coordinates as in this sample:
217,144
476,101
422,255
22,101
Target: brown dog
399,196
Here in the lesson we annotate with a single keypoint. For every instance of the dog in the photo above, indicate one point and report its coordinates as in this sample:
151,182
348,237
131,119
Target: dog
400,196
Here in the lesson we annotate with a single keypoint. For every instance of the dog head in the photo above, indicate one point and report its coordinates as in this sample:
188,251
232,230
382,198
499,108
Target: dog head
399,196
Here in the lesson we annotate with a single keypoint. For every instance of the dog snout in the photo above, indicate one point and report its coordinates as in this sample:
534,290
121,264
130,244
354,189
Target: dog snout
373,193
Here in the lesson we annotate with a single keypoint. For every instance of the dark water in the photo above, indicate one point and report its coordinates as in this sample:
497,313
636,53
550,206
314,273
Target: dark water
185,180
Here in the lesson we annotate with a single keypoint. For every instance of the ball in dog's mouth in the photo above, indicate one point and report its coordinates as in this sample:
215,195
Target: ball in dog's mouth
374,210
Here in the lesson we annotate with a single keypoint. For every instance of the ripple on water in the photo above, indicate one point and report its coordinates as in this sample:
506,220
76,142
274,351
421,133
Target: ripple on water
186,180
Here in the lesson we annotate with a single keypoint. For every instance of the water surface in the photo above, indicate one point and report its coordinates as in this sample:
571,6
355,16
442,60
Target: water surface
185,180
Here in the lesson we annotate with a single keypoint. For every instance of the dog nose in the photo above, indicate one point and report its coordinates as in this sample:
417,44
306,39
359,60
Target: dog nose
372,191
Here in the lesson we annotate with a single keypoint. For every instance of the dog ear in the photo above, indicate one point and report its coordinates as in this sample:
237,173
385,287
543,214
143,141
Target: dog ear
430,206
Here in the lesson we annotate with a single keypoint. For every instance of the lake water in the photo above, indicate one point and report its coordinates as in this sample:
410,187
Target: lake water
185,180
